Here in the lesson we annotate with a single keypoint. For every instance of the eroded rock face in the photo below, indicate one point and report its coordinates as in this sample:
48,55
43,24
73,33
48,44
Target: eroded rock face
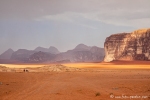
128,46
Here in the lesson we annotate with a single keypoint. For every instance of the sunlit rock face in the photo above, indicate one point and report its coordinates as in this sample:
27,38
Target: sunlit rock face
128,46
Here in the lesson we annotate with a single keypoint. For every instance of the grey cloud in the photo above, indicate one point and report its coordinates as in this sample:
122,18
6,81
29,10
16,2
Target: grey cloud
31,9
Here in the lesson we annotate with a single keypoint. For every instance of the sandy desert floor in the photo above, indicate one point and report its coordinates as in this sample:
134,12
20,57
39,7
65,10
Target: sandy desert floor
86,81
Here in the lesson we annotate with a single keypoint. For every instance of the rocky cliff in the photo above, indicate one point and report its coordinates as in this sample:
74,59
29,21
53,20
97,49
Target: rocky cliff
128,46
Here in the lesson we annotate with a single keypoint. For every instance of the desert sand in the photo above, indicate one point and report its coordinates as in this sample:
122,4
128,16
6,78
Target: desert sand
76,81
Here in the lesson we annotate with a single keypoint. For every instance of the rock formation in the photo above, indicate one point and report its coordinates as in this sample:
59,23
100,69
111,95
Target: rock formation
82,47
51,49
22,55
81,53
7,54
41,49
128,46
41,57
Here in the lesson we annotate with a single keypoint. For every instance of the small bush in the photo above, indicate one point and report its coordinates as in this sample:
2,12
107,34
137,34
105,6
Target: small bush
97,94
149,97
110,93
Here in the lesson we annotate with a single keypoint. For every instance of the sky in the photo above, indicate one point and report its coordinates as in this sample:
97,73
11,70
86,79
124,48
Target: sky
27,24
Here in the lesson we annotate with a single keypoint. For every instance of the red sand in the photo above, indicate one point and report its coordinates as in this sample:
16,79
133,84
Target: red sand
122,83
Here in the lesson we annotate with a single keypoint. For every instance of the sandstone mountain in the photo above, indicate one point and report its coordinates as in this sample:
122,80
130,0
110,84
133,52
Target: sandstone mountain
41,57
51,49
7,54
40,54
81,53
128,46
41,49
22,55
82,47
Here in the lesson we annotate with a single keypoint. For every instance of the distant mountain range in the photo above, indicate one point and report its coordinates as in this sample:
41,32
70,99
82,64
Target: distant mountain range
51,50
81,53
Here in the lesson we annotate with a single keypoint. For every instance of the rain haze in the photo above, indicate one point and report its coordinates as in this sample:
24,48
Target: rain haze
64,24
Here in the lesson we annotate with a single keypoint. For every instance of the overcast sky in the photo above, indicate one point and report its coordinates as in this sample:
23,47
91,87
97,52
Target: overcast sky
28,24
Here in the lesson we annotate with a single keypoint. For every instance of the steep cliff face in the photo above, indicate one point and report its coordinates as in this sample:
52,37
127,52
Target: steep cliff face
128,46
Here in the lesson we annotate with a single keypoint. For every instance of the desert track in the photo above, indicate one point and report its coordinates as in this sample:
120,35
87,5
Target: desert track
94,84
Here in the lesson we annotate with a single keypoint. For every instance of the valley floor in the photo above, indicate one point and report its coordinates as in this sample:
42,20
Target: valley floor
105,82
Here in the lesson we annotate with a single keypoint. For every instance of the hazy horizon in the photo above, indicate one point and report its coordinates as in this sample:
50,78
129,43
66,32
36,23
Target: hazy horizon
67,23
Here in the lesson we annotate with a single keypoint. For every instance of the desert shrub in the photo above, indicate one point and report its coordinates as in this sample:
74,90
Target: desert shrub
149,97
97,94
110,93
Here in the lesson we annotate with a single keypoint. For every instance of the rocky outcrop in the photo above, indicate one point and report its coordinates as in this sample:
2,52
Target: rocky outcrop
128,46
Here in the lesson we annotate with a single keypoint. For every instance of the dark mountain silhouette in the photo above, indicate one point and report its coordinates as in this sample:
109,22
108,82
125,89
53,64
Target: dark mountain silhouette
41,57
41,49
8,61
81,53
51,49
82,47
22,55
7,54
97,51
